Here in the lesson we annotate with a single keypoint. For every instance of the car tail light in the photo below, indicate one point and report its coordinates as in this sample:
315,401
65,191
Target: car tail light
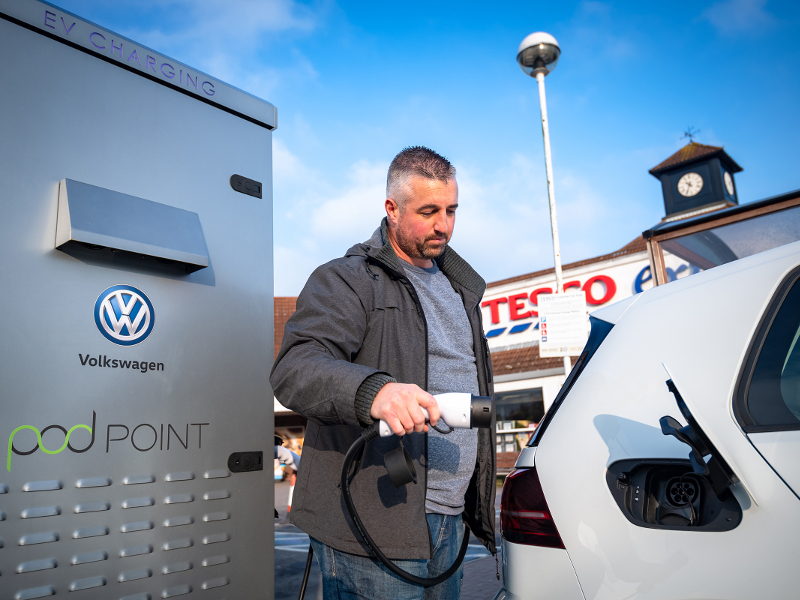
524,516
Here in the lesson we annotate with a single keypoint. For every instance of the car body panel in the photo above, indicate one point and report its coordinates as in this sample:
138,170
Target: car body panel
781,449
534,573
699,328
614,312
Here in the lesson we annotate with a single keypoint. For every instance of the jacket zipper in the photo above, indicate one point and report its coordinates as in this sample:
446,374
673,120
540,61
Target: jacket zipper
421,312
487,361
413,292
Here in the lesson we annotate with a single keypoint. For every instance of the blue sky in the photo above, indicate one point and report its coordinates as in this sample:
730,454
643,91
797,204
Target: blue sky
355,82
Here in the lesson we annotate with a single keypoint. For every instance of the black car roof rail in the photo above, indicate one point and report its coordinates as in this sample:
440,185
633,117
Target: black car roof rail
600,330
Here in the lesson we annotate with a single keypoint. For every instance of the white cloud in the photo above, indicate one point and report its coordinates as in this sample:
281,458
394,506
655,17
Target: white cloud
293,265
354,213
582,205
287,167
225,38
502,226
297,190
241,22
316,220
738,16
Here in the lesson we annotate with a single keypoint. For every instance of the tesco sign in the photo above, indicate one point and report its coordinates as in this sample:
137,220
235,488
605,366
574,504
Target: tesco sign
599,290
510,310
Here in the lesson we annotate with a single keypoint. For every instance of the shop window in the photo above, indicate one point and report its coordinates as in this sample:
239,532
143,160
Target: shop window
518,413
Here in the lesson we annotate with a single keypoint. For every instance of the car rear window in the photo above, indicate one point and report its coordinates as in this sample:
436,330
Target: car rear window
773,397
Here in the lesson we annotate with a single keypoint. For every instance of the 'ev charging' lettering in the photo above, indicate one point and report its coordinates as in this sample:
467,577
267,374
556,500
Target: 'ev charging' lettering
116,49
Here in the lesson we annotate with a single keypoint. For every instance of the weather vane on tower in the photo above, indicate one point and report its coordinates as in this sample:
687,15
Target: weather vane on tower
690,133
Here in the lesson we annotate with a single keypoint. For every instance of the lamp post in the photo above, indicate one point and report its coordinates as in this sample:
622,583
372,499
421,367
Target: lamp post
537,56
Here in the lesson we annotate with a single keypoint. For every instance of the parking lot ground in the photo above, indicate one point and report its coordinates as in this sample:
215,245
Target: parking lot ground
291,550
480,579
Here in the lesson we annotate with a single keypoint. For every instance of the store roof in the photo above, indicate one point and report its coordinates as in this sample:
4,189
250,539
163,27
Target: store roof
693,152
637,245
523,360
285,306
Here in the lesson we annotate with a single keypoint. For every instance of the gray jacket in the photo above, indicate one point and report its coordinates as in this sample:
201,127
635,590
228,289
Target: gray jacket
358,316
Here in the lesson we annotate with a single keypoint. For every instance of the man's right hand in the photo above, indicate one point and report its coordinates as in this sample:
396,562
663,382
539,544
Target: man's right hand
399,405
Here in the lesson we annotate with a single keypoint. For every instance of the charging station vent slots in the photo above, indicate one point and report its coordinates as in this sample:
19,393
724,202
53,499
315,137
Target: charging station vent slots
136,261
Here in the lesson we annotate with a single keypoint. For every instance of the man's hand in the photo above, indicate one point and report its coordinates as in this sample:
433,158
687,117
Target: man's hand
398,404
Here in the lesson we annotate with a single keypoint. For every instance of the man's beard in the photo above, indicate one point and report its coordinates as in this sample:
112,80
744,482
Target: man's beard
421,249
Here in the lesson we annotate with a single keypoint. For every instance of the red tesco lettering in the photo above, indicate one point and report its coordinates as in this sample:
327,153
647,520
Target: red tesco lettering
514,306
611,289
493,304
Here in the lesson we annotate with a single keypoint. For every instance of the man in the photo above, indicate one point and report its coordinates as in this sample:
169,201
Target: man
375,334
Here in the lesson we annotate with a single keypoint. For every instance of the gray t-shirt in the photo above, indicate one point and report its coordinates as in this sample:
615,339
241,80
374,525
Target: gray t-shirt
451,368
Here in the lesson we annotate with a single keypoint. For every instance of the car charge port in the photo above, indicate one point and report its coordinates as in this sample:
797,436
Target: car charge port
668,494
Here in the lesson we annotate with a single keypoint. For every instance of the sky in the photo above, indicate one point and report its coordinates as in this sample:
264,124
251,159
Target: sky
356,82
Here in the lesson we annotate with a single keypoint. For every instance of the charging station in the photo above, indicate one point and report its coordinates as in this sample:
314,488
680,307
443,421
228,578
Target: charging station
136,316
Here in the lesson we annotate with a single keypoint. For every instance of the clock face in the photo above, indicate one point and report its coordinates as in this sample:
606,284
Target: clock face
690,184
728,182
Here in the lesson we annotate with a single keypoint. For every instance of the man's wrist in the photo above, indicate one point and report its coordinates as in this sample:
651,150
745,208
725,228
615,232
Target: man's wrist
365,396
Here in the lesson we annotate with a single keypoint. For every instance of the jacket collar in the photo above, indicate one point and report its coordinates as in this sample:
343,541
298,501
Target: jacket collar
452,265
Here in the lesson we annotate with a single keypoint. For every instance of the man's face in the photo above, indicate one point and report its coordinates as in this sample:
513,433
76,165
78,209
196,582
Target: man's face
423,225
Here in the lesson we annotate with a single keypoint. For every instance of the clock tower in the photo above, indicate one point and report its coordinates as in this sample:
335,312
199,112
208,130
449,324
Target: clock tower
697,179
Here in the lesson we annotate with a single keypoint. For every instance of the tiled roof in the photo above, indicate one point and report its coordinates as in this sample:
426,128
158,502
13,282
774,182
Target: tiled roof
694,151
523,360
637,245
284,308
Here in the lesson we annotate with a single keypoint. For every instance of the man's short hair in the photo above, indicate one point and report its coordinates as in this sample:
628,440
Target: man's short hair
416,161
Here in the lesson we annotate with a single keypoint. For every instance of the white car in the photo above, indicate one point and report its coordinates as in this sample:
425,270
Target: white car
668,466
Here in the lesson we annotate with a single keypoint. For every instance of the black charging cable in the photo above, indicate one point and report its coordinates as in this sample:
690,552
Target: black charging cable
371,433
354,455
308,570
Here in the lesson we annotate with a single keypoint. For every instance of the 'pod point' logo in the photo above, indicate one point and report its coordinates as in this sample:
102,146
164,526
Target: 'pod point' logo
124,315
40,444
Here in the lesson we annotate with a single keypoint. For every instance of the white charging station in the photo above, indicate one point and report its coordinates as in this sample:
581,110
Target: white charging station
136,315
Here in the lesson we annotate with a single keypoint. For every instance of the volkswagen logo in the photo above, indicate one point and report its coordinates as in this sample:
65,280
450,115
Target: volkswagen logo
124,315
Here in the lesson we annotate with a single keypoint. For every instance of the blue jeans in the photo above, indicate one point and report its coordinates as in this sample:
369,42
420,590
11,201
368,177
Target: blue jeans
350,577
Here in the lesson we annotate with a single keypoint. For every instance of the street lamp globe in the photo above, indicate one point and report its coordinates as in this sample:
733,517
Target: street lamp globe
538,53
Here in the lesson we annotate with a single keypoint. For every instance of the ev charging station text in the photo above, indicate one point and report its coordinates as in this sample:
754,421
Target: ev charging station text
126,52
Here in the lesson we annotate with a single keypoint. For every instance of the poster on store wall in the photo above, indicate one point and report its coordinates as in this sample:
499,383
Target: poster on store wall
563,328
